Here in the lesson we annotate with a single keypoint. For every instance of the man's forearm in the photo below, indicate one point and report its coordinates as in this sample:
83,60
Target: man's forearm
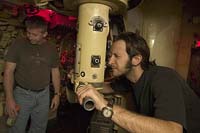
134,122
8,84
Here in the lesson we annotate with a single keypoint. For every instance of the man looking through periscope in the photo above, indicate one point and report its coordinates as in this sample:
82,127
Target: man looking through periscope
29,63
164,102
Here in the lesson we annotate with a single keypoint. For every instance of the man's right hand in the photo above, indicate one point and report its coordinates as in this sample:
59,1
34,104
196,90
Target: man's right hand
91,92
11,108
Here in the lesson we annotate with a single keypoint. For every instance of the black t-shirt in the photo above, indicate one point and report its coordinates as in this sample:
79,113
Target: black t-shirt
162,93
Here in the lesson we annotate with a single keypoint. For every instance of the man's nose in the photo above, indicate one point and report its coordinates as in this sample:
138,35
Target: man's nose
30,36
110,61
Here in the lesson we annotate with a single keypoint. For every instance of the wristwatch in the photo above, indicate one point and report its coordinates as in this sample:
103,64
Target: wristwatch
107,111
57,93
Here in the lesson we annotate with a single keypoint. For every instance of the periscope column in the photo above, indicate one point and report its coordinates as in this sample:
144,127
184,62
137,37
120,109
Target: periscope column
93,29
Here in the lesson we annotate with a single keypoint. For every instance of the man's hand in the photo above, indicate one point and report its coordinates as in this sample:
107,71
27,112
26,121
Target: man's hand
55,102
11,108
91,92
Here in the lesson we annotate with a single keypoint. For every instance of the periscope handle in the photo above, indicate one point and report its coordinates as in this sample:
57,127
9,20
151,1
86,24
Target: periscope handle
88,104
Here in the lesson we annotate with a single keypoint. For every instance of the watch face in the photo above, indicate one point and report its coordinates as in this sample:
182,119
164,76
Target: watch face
107,112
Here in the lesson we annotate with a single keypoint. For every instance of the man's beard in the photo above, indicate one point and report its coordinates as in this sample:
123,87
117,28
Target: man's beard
128,67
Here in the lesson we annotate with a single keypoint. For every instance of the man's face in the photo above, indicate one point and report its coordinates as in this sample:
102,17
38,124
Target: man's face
35,35
119,59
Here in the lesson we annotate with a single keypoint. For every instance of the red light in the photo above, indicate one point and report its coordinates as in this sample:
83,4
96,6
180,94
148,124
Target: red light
55,18
72,18
197,44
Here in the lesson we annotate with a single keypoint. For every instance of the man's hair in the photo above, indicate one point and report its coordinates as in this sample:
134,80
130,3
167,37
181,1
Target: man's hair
136,45
36,22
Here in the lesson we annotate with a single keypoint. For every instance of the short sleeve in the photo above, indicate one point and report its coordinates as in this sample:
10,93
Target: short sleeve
11,53
55,58
169,99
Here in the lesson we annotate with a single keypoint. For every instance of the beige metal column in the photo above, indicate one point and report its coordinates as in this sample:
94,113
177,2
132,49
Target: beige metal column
92,35
93,29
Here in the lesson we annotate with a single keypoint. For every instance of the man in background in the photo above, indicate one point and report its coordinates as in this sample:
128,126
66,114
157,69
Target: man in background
30,62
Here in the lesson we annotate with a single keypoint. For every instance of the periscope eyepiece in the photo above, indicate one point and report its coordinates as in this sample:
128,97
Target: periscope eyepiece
88,104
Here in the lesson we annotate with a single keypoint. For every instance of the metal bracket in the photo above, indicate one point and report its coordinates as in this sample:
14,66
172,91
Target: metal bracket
98,23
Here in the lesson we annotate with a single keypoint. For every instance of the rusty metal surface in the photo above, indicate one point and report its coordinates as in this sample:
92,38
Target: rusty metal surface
70,7
118,6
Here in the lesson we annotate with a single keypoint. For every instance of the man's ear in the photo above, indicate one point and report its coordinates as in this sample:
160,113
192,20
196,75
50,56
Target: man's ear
45,34
136,60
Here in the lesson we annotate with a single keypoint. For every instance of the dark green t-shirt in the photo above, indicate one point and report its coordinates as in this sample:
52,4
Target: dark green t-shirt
33,62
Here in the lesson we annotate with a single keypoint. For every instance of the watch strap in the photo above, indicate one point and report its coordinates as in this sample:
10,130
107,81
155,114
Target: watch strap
57,93
108,107
110,103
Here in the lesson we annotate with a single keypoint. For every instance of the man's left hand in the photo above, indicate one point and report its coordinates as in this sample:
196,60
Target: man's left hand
55,102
